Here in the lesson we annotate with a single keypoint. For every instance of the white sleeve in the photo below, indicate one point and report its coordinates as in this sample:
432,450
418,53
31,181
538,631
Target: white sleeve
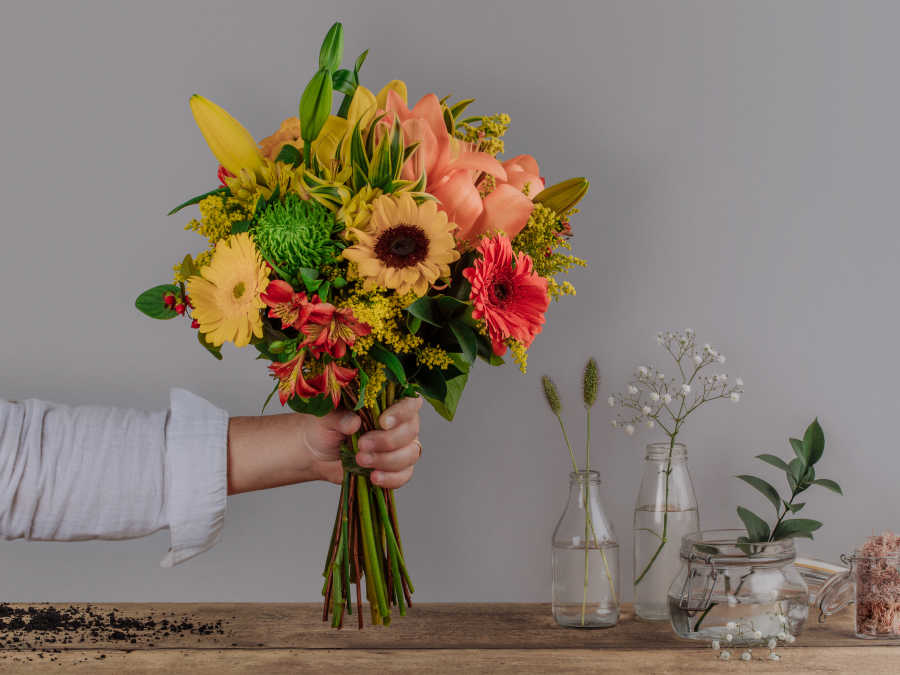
93,472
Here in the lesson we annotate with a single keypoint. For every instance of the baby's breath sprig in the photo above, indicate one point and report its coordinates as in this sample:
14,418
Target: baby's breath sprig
653,399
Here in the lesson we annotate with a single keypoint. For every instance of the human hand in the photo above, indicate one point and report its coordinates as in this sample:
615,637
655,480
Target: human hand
391,451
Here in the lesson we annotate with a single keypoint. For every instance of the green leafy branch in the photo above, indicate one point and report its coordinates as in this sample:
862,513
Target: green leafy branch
801,475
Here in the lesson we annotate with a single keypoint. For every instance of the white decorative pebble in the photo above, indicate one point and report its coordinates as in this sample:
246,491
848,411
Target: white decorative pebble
774,657
725,655
782,636
790,639
745,656
729,637
757,635
715,644
772,643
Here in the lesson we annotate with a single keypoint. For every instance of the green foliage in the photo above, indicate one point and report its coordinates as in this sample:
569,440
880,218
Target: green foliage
315,106
199,198
379,166
319,405
800,474
208,346
332,51
151,302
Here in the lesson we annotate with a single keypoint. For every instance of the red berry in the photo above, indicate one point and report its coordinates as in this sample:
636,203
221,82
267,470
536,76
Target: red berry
195,324
179,308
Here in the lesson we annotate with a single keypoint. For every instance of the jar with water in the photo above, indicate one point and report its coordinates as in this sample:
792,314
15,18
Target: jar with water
666,510
585,559
738,593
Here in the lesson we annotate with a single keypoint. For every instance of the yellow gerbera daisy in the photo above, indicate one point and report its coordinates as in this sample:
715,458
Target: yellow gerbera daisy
226,298
405,247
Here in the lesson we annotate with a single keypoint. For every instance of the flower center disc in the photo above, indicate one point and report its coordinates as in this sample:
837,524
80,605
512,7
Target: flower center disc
238,290
501,291
402,246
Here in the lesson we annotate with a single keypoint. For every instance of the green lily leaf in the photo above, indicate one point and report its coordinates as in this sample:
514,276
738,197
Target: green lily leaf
344,81
198,198
360,60
151,302
315,106
289,155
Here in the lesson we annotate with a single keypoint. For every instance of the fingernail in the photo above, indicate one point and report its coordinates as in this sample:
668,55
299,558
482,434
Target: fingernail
364,460
376,477
347,420
365,444
389,422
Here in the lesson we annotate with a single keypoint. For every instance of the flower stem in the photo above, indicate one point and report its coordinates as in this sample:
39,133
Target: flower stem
662,538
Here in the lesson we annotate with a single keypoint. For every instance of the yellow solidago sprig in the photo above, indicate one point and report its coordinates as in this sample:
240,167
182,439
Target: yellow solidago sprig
384,311
487,131
217,215
544,233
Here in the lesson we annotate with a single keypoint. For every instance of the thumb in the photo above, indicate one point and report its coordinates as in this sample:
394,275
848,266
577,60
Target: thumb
323,438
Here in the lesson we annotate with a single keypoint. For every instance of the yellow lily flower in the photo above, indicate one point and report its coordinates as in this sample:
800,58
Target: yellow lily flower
228,140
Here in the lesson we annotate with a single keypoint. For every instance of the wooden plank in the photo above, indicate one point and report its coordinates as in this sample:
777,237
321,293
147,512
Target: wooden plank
428,626
502,661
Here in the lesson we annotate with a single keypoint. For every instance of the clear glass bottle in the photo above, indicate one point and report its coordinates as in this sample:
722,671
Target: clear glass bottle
666,510
585,559
750,592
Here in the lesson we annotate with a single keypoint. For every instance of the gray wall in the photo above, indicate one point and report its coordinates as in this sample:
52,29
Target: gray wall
743,159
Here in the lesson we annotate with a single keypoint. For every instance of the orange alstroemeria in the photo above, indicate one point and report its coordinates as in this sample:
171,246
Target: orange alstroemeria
331,380
292,308
291,381
332,332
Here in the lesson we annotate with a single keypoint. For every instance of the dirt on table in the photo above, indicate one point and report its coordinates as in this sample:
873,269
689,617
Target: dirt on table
56,633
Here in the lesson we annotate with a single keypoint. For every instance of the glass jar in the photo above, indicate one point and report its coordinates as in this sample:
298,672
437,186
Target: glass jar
750,592
585,559
666,510
873,583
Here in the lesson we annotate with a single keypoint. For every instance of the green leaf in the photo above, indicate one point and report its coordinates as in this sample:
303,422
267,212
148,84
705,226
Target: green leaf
241,226
332,51
766,488
814,442
744,544
432,384
363,384
757,528
197,199
289,155
774,461
457,108
796,469
319,406
383,355
706,548
447,407
799,449
830,484
269,398
151,302
794,508
208,346
451,306
413,324
796,527
339,282
310,279
423,309
466,338
344,81
360,60
188,268
315,106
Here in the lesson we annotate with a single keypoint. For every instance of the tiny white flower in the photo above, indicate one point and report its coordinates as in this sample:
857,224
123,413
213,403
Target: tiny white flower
614,423
757,634
715,644
789,639
646,410
731,625
739,382
772,643
667,398
782,636
660,376
720,358
746,656
698,359
612,401
650,424
654,396
707,348
659,338
723,377
685,389
732,601
735,396
725,655
729,637
632,389
689,331
629,429
642,371
774,657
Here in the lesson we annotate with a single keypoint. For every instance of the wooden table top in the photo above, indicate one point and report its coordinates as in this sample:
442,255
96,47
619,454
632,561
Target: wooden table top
432,638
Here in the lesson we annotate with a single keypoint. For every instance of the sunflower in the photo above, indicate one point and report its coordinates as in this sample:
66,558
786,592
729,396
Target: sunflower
226,297
405,247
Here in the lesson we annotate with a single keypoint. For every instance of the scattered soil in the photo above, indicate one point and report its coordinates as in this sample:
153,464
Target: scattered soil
41,631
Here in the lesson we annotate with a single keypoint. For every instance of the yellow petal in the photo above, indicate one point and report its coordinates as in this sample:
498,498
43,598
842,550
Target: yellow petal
227,138
398,86
362,107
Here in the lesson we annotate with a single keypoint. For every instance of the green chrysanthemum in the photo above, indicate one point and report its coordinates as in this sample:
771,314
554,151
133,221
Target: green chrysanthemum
297,233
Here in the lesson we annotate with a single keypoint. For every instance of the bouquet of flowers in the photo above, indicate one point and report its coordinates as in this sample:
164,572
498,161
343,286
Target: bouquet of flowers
370,255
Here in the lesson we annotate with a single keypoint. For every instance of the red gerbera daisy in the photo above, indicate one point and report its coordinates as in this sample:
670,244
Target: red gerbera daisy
507,293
